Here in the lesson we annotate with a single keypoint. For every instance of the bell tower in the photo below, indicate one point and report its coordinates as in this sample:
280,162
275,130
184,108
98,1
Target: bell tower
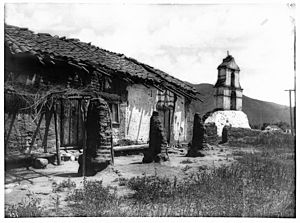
228,90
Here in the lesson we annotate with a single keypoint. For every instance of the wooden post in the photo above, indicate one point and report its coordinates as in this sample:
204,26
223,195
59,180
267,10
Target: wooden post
291,113
112,150
295,76
83,112
48,121
62,112
78,120
112,153
13,117
35,122
57,141
36,131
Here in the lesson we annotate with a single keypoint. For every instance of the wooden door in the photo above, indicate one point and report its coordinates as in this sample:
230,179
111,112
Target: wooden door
71,123
165,118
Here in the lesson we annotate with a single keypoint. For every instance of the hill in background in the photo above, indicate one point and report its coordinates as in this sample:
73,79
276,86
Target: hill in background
258,111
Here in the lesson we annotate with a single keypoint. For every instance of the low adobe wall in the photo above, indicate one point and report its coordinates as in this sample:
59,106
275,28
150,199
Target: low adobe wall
211,134
242,136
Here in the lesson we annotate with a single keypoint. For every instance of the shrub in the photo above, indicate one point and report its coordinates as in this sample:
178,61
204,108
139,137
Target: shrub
186,168
65,184
94,200
187,161
151,188
122,181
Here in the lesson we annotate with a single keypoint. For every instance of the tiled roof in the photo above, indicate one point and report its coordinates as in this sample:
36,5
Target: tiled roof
229,62
43,45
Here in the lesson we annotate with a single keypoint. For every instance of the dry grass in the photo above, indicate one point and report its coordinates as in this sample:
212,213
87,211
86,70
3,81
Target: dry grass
258,185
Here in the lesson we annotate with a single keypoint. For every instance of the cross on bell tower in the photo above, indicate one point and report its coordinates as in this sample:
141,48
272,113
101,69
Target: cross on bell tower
228,90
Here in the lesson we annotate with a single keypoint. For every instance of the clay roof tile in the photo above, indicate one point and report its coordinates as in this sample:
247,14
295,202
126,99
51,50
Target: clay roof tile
73,49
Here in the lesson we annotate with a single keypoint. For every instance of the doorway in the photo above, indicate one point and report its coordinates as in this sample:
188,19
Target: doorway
71,123
165,118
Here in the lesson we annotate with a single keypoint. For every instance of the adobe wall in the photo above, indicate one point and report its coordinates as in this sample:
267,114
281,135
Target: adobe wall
180,121
242,135
239,136
140,105
24,126
119,130
190,113
211,134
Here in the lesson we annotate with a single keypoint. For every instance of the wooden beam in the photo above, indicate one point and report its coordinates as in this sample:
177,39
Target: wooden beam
178,92
83,116
78,121
157,88
13,117
36,131
36,123
131,147
57,141
103,72
48,121
111,139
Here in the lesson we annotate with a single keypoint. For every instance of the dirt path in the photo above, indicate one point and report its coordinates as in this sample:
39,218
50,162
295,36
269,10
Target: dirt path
20,182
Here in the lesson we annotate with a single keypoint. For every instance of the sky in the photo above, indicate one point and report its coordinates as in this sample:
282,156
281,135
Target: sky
186,41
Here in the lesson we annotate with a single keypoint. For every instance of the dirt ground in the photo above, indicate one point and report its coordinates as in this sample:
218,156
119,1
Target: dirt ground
20,182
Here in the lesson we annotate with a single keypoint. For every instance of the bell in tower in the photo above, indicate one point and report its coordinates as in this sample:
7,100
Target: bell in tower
228,90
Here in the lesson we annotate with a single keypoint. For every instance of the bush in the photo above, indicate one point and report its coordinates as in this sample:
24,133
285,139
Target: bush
187,161
94,200
122,181
65,184
150,188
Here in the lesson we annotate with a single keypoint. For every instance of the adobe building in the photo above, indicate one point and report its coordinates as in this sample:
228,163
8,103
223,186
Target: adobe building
79,83
228,97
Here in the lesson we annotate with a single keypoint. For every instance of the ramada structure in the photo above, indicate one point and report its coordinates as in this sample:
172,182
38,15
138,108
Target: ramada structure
97,98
